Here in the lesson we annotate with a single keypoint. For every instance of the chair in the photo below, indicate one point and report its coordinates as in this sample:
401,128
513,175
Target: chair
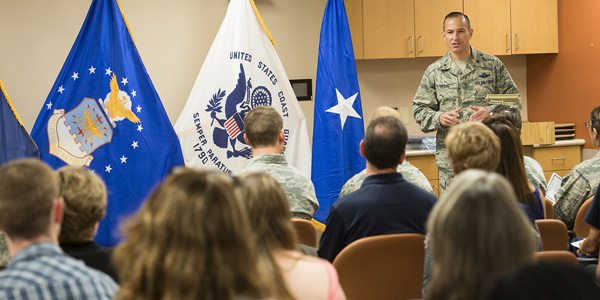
563,257
554,234
580,227
382,267
548,208
306,232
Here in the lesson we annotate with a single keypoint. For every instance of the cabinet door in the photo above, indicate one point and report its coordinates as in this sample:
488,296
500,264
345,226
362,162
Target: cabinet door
534,26
490,20
429,19
388,28
355,22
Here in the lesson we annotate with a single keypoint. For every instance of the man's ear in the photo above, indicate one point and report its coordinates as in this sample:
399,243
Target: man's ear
402,157
246,139
281,136
59,210
361,148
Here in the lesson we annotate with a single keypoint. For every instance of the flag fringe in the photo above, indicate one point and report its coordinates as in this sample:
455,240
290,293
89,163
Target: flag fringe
126,23
262,23
10,104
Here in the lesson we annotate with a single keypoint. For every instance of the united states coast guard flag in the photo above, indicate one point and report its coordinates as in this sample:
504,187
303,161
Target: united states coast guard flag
15,142
104,113
338,126
241,71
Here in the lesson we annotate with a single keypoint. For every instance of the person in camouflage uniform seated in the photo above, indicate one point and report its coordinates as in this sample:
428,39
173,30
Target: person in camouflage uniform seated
581,183
409,172
535,172
4,255
264,133
453,88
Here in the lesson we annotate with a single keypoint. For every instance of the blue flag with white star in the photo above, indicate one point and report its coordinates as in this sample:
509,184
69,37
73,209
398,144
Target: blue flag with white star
338,127
15,142
103,113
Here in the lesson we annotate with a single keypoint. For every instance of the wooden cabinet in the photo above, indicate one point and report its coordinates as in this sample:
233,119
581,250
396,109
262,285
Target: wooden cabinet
426,164
413,28
534,26
504,27
558,160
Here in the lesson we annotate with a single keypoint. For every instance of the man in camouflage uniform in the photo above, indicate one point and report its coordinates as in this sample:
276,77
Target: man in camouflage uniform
409,172
4,255
453,88
582,181
264,133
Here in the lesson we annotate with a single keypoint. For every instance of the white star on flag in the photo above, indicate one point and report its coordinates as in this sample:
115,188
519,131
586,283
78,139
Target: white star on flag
123,159
75,76
61,89
124,81
134,144
108,72
344,107
140,128
92,70
49,105
107,169
138,109
133,94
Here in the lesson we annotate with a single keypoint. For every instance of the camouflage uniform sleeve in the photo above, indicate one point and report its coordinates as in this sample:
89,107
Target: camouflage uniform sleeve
504,84
425,104
575,189
311,195
353,184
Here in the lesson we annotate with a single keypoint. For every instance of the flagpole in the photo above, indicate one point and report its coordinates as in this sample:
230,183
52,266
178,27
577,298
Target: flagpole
262,24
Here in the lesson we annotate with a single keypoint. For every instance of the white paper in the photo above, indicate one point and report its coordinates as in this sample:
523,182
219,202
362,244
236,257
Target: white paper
553,185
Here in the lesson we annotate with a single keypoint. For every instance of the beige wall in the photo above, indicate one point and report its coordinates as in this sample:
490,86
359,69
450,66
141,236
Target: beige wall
173,38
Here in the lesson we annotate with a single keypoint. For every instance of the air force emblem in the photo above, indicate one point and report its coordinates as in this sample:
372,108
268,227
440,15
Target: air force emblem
484,75
75,135
229,130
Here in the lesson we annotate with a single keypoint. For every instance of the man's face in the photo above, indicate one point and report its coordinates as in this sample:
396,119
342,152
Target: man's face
457,35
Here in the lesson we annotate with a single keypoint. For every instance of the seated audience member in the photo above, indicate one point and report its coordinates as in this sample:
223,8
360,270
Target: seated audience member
4,255
31,212
84,195
471,145
512,167
591,243
478,232
544,281
409,172
386,203
580,184
293,272
264,133
535,172
190,239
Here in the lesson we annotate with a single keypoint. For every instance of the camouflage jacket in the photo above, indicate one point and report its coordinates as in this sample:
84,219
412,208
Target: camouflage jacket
299,190
578,186
409,172
535,173
4,255
445,87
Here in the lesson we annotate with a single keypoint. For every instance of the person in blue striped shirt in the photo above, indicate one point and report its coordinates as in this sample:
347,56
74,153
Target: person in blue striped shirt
31,213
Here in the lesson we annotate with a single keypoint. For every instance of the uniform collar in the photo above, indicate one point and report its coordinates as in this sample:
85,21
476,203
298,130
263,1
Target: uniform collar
447,65
271,159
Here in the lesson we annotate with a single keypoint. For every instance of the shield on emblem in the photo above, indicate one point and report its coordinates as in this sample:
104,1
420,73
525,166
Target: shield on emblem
74,136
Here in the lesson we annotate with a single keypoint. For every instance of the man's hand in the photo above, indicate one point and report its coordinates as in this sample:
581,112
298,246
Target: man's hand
591,243
450,118
479,113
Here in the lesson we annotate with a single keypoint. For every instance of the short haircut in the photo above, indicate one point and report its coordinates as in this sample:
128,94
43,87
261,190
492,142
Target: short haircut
84,194
383,111
385,142
457,14
595,118
472,145
263,125
511,113
28,189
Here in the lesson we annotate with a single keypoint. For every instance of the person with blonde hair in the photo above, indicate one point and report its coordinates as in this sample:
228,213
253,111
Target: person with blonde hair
472,145
84,194
190,240
478,233
292,271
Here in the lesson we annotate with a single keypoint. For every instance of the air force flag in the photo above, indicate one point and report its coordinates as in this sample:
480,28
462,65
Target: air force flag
338,126
241,71
104,113
15,142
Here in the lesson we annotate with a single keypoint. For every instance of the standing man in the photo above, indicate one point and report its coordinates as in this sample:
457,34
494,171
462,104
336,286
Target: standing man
453,88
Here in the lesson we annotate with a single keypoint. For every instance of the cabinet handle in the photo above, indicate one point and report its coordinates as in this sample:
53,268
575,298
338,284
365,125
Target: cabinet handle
559,158
508,43
411,44
422,43
517,41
